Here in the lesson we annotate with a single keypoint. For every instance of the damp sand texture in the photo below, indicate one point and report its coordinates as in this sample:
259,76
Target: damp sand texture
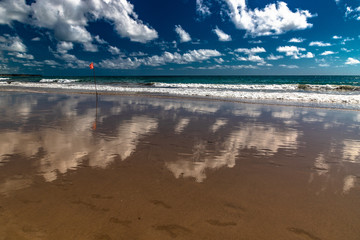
171,168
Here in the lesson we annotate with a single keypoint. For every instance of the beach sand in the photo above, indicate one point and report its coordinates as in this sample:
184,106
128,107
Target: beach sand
136,167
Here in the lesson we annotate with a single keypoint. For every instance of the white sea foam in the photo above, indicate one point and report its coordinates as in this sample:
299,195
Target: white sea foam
4,79
229,86
58,80
278,93
277,87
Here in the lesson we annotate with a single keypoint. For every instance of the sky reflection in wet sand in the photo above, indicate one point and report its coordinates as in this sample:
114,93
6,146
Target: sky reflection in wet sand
44,138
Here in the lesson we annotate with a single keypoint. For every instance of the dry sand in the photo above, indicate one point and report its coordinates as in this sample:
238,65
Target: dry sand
157,168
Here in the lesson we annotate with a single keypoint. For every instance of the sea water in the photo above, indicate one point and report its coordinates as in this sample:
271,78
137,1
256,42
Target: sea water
320,91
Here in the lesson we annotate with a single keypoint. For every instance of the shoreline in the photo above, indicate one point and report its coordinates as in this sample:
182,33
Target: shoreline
174,96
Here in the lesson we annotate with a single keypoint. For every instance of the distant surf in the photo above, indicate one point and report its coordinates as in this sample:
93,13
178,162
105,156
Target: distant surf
327,91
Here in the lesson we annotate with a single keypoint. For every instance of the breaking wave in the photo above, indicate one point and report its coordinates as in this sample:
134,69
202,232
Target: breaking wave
58,80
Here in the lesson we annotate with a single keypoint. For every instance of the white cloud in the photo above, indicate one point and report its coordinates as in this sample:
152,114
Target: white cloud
327,53
346,50
352,61
289,66
352,13
114,50
202,9
11,43
221,35
296,40
347,40
184,36
13,10
120,63
99,40
274,19
337,37
156,60
138,54
35,39
125,20
273,57
320,44
255,42
252,58
22,55
89,47
295,52
189,57
251,51
307,55
292,51
51,63
71,60
64,47
219,60
68,19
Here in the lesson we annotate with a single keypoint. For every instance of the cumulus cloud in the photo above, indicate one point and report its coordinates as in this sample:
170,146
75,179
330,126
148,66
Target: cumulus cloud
11,43
352,61
13,10
89,47
255,41
346,50
296,40
22,55
68,19
189,57
35,39
202,9
273,57
183,35
274,19
99,40
347,40
251,51
125,20
294,52
319,44
252,58
114,50
337,37
290,50
159,60
62,52
289,66
327,53
221,35
64,47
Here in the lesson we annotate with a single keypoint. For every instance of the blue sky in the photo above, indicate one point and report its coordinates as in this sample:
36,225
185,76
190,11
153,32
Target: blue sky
163,37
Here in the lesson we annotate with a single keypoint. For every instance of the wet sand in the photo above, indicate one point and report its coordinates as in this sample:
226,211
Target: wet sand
157,168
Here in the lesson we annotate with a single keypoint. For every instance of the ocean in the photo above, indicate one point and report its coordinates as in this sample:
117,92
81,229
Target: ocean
316,91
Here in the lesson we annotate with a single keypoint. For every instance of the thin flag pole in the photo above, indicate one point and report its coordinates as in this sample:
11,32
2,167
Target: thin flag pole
94,124
92,67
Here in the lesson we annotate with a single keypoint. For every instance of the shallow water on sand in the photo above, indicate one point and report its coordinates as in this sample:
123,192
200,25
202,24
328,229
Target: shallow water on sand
129,167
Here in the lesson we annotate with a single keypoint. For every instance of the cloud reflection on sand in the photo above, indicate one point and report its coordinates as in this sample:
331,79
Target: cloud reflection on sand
125,141
351,151
266,140
60,138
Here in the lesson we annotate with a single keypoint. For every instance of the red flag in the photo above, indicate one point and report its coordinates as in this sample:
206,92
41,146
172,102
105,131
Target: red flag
91,65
